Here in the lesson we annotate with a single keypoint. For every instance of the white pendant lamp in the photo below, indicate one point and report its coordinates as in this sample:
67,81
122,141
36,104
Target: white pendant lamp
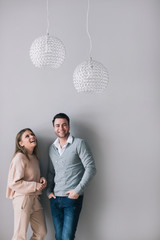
47,51
90,76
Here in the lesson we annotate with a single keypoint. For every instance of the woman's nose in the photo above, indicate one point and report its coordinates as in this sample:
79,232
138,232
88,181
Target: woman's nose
32,137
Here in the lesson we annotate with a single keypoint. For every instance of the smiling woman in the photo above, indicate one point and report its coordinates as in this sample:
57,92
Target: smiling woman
24,187
28,141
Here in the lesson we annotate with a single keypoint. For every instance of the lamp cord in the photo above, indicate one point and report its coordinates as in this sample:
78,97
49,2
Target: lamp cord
47,18
87,29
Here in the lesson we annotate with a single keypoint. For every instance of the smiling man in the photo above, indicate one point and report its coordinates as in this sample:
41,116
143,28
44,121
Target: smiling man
71,168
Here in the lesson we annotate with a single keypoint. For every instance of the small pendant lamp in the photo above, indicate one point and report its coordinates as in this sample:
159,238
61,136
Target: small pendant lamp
90,76
47,50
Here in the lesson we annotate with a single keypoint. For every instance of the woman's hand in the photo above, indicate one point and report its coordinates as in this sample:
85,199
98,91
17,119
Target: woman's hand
39,186
43,181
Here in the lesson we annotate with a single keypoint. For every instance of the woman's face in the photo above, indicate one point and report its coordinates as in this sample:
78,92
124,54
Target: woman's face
28,141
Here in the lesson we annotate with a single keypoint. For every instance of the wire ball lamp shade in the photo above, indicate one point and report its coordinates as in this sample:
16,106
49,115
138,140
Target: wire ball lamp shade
47,51
90,77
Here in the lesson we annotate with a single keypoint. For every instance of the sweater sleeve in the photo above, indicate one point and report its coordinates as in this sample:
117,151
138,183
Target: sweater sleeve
16,175
89,166
50,178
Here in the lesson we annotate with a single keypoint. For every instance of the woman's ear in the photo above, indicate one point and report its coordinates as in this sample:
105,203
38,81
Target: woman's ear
20,143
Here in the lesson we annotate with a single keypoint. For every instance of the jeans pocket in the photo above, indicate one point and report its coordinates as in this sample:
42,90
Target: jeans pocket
52,199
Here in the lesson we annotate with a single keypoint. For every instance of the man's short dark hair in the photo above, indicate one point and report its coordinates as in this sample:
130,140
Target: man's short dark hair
61,115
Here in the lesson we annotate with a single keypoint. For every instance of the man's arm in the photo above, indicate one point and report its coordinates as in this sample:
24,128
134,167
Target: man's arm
89,166
50,178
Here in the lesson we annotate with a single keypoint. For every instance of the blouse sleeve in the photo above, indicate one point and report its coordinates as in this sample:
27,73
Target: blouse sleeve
16,177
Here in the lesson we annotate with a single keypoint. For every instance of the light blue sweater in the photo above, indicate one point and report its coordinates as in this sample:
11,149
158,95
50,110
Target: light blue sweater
72,170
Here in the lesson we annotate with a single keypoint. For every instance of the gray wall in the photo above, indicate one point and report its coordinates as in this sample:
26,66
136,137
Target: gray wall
121,125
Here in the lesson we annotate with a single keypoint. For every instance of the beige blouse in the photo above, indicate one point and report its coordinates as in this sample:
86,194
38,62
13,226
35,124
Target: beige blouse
23,176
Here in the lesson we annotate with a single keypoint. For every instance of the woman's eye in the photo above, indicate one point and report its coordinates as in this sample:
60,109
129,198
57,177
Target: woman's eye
27,136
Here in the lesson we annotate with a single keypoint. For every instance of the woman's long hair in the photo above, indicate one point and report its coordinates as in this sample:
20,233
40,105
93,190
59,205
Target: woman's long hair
19,148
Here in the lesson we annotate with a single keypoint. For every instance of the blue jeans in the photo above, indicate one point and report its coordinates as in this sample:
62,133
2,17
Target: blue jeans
65,213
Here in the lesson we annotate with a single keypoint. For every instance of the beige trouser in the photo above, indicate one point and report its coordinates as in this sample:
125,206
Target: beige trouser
27,209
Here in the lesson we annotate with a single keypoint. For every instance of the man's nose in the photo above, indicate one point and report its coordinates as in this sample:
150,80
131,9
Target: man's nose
61,127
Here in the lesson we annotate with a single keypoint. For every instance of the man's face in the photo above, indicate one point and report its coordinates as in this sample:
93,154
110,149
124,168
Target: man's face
61,127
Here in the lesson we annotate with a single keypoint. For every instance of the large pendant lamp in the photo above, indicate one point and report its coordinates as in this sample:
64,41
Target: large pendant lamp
90,76
47,50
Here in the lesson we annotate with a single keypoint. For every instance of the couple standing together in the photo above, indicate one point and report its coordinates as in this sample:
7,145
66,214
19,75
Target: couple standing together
70,169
